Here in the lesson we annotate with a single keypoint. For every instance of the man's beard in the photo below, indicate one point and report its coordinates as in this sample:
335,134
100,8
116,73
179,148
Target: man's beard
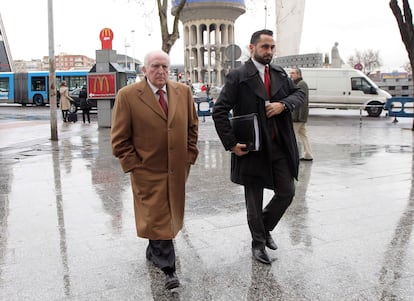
263,60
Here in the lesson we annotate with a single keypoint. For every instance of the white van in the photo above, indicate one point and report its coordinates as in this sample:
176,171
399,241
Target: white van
341,88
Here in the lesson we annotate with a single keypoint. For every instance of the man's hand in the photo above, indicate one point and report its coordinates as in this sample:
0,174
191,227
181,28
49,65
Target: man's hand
274,108
240,149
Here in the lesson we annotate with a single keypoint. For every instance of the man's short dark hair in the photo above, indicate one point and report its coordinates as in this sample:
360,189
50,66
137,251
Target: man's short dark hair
298,71
256,35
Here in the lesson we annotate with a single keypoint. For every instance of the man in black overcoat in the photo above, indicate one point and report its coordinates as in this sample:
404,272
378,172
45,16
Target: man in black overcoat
274,166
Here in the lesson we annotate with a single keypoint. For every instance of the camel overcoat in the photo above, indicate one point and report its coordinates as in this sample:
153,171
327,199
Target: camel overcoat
158,152
64,98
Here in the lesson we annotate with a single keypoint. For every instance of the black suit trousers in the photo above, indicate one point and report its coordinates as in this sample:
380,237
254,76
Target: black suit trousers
262,221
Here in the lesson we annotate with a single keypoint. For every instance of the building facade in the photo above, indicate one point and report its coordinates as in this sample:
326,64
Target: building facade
65,61
398,84
62,62
24,66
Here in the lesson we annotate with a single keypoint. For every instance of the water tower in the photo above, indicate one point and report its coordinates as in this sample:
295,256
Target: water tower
208,29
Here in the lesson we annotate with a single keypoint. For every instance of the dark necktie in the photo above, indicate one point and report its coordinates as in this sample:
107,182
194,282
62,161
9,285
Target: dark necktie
267,79
162,101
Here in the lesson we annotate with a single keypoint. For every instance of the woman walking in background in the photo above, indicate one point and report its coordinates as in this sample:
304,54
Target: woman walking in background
65,100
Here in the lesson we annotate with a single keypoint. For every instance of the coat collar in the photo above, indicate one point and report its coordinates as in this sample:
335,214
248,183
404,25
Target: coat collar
147,96
253,79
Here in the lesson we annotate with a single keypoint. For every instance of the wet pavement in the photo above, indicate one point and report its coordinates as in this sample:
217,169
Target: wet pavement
67,227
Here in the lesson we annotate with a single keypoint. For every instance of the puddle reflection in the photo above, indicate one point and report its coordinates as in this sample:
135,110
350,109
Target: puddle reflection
392,270
297,216
109,181
60,211
263,284
6,178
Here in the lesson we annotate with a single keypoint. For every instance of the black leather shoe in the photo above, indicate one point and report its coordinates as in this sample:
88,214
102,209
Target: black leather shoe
270,243
171,281
148,254
261,255
306,159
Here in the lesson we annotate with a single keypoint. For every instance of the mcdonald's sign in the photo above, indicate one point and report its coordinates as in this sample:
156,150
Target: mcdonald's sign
106,36
101,85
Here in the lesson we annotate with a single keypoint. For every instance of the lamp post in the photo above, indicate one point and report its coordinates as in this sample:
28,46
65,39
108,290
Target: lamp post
126,57
133,49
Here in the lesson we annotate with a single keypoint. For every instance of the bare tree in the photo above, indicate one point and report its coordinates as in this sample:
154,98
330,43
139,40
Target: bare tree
169,39
370,59
405,24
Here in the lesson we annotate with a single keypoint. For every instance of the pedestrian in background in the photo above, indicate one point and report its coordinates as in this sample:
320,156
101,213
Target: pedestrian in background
84,104
266,90
65,100
154,135
208,90
300,116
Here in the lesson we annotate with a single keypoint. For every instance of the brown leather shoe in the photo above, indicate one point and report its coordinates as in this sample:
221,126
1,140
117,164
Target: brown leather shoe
261,256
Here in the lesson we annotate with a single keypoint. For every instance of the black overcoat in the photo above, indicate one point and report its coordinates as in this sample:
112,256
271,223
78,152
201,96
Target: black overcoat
245,93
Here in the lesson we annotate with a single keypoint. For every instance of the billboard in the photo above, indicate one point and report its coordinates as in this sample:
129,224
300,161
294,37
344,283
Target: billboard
101,85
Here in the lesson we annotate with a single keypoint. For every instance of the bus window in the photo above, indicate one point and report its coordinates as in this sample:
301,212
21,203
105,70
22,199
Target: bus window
75,81
4,88
38,83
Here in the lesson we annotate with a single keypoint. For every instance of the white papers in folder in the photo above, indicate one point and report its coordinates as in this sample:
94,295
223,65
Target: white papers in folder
256,133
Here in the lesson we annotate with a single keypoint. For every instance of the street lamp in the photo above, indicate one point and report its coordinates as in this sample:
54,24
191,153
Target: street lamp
126,57
133,50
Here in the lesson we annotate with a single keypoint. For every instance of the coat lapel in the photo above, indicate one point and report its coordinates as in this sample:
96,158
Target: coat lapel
173,98
256,83
148,98
275,85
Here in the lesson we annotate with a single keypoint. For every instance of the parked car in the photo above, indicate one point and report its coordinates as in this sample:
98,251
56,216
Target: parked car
75,95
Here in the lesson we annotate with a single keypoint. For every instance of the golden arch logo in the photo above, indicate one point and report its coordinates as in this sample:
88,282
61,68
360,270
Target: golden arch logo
106,36
101,85
101,82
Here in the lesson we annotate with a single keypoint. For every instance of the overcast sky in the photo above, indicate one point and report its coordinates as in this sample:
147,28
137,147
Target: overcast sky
354,24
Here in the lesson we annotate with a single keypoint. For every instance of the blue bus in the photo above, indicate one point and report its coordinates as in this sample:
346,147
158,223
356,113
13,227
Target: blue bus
33,87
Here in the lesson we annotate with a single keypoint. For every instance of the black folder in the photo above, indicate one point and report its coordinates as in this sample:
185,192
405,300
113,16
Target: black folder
246,130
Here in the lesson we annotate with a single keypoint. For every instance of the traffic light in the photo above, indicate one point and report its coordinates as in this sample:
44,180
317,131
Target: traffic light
180,75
